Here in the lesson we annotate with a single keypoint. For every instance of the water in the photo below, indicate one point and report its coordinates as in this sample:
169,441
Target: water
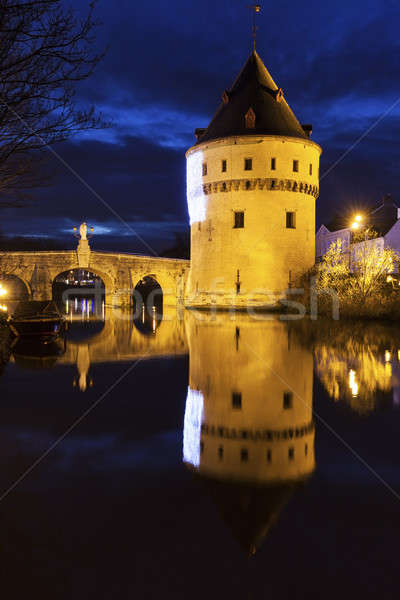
201,458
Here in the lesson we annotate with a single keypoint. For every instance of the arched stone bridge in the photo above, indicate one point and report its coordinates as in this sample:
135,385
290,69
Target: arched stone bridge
120,272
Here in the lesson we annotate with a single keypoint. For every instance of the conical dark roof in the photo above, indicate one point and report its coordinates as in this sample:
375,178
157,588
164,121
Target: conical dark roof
249,510
253,89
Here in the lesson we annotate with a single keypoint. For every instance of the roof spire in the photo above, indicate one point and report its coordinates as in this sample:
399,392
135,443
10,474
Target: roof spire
256,10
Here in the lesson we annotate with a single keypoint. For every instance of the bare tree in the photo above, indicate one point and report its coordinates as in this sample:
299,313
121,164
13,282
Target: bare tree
44,51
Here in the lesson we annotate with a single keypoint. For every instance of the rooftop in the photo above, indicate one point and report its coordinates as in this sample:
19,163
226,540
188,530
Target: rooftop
253,105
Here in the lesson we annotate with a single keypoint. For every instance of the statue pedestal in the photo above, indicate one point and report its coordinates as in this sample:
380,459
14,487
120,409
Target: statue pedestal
83,252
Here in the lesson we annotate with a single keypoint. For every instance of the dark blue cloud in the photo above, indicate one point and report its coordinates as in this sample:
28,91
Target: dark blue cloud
163,75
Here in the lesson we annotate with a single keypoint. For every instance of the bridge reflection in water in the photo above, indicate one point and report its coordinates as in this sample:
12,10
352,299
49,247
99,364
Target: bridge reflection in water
112,335
248,426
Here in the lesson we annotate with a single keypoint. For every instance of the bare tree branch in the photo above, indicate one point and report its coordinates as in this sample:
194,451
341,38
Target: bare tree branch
44,51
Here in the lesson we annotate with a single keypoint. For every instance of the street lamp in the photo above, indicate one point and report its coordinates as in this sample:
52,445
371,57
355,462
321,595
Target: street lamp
356,222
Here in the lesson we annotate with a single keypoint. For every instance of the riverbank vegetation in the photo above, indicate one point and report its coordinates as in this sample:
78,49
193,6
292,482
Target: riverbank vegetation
362,282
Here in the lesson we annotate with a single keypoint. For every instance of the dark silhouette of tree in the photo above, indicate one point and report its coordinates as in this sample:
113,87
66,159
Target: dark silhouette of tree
44,51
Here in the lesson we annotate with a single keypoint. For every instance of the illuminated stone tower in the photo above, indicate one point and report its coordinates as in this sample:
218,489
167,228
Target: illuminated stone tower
252,182
248,426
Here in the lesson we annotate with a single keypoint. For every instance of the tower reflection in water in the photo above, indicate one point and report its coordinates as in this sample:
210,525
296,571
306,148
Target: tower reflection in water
248,426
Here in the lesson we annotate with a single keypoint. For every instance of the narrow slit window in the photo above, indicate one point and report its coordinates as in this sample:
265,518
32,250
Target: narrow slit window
236,400
269,456
273,164
204,169
291,453
310,169
248,164
244,455
220,452
295,166
223,166
290,220
287,400
239,220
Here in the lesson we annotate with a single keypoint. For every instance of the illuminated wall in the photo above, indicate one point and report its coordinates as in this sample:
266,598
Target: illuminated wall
264,256
196,198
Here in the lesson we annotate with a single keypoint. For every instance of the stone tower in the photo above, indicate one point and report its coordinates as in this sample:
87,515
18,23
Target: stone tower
252,182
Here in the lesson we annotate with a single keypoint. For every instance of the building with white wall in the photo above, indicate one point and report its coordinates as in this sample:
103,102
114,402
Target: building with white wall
383,219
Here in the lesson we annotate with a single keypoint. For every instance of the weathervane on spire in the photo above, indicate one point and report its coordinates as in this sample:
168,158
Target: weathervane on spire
256,10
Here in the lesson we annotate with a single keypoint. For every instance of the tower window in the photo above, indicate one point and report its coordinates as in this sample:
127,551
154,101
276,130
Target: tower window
291,220
204,169
248,164
201,447
287,400
250,119
199,226
269,456
273,164
310,169
306,449
291,453
244,455
223,166
237,400
239,220
220,452
296,166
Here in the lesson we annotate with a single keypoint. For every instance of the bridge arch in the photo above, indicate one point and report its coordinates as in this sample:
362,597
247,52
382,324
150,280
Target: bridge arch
17,287
103,287
149,293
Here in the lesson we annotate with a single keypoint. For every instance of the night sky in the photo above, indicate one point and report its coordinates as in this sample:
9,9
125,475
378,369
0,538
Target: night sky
167,65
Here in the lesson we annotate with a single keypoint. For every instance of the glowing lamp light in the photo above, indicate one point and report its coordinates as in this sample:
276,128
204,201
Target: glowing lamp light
358,218
3,291
389,278
192,427
3,308
388,356
355,225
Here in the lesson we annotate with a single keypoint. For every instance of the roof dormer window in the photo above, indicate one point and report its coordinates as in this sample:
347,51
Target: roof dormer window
250,119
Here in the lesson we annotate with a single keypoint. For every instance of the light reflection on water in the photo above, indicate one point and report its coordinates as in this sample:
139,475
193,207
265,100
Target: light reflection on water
358,363
248,428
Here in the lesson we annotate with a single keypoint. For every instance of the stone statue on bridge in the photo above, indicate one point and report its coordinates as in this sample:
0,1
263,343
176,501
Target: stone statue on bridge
83,231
